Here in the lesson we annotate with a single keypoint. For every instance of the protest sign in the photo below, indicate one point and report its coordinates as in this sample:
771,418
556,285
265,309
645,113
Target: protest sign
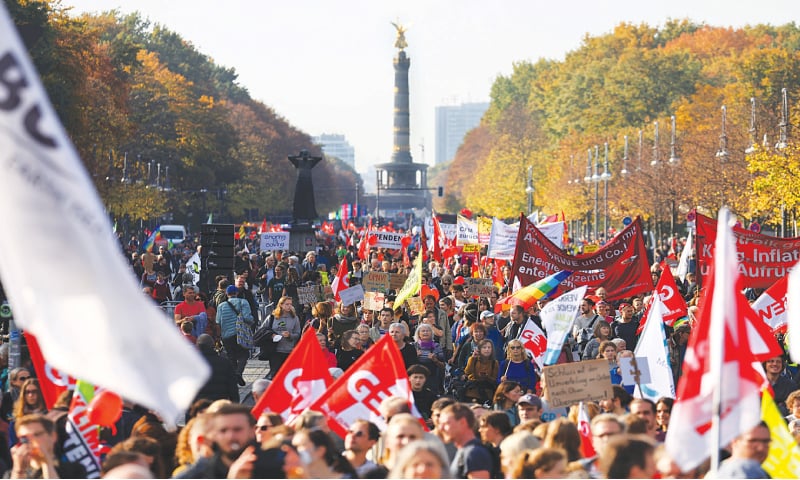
415,305
375,282
391,240
396,281
479,287
351,295
373,301
274,241
309,295
569,383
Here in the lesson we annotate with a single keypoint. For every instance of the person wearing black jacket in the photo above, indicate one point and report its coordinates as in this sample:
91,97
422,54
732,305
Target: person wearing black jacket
246,293
222,384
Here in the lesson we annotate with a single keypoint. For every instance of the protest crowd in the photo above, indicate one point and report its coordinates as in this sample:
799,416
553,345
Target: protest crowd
467,345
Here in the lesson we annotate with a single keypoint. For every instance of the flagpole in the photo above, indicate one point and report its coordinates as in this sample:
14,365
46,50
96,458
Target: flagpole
717,336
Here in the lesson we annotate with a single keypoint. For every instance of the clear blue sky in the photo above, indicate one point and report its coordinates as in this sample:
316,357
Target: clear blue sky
326,66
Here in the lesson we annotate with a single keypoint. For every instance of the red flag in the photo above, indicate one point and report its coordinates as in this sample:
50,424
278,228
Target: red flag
497,273
771,305
51,381
724,365
584,427
303,378
341,280
438,240
378,374
674,304
534,341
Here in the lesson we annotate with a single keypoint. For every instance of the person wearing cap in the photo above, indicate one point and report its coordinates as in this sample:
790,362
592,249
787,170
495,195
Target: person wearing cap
677,344
227,314
529,407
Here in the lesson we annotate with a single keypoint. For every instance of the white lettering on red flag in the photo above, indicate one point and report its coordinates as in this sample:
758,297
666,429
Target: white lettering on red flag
302,379
379,373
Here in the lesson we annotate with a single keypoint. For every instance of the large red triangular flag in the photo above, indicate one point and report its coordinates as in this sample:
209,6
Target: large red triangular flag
584,427
718,365
437,249
378,374
301,380
341,280
673,302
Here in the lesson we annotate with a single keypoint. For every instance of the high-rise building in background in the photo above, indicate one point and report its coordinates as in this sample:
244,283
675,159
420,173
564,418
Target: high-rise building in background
452,123
336,145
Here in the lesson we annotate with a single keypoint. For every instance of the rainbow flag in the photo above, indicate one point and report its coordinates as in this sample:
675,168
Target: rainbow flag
151,240
529,295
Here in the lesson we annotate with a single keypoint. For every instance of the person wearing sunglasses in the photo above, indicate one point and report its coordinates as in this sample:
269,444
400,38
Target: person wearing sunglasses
16,377
517,367
360,438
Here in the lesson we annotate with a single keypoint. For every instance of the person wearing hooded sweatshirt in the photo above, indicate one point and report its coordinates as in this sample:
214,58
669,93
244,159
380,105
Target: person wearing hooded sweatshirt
343,321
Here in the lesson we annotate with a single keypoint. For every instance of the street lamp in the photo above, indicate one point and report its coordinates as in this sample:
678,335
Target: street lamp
596,180
624,170
722,153
654,162
529,189
673,157
783,141
587,179
753,132
605,177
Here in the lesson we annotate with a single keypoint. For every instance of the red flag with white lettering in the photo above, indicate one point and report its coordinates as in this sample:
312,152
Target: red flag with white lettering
303,378
534,341
341,281
379,373
51,381
674,304
771,305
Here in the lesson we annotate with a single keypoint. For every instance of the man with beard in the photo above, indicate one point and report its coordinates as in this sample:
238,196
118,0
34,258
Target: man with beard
232,431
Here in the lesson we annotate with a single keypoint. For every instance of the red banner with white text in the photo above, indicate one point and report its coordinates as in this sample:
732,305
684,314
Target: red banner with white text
620,266
51,381
762,259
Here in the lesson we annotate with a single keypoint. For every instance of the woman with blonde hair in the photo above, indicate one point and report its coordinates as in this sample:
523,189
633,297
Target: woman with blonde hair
286,325
517,367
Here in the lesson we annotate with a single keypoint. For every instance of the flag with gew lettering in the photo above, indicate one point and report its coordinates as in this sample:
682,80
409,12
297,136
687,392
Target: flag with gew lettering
379,373
303,378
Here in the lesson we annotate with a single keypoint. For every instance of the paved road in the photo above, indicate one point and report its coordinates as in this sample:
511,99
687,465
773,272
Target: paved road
254,370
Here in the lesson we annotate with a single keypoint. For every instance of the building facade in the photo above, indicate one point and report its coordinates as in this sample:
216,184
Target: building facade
452,124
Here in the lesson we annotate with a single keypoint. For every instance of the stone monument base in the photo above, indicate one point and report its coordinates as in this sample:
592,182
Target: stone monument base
302,238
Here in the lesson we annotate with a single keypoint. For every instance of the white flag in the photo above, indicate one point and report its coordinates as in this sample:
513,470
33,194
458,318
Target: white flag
502,240
653,345
683,263
557,319
793,312
91,319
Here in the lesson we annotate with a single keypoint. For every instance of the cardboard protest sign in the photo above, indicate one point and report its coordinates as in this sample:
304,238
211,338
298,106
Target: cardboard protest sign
415,305
375,282
309,295
373,301
478,287
569,383
396,281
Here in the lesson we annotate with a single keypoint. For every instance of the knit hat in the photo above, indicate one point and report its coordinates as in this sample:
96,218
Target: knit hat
231,290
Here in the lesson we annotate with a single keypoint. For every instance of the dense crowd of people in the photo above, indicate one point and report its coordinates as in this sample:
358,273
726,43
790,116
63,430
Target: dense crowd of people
478,392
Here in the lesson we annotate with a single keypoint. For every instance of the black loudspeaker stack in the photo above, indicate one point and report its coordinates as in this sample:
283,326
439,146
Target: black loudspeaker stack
217,254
